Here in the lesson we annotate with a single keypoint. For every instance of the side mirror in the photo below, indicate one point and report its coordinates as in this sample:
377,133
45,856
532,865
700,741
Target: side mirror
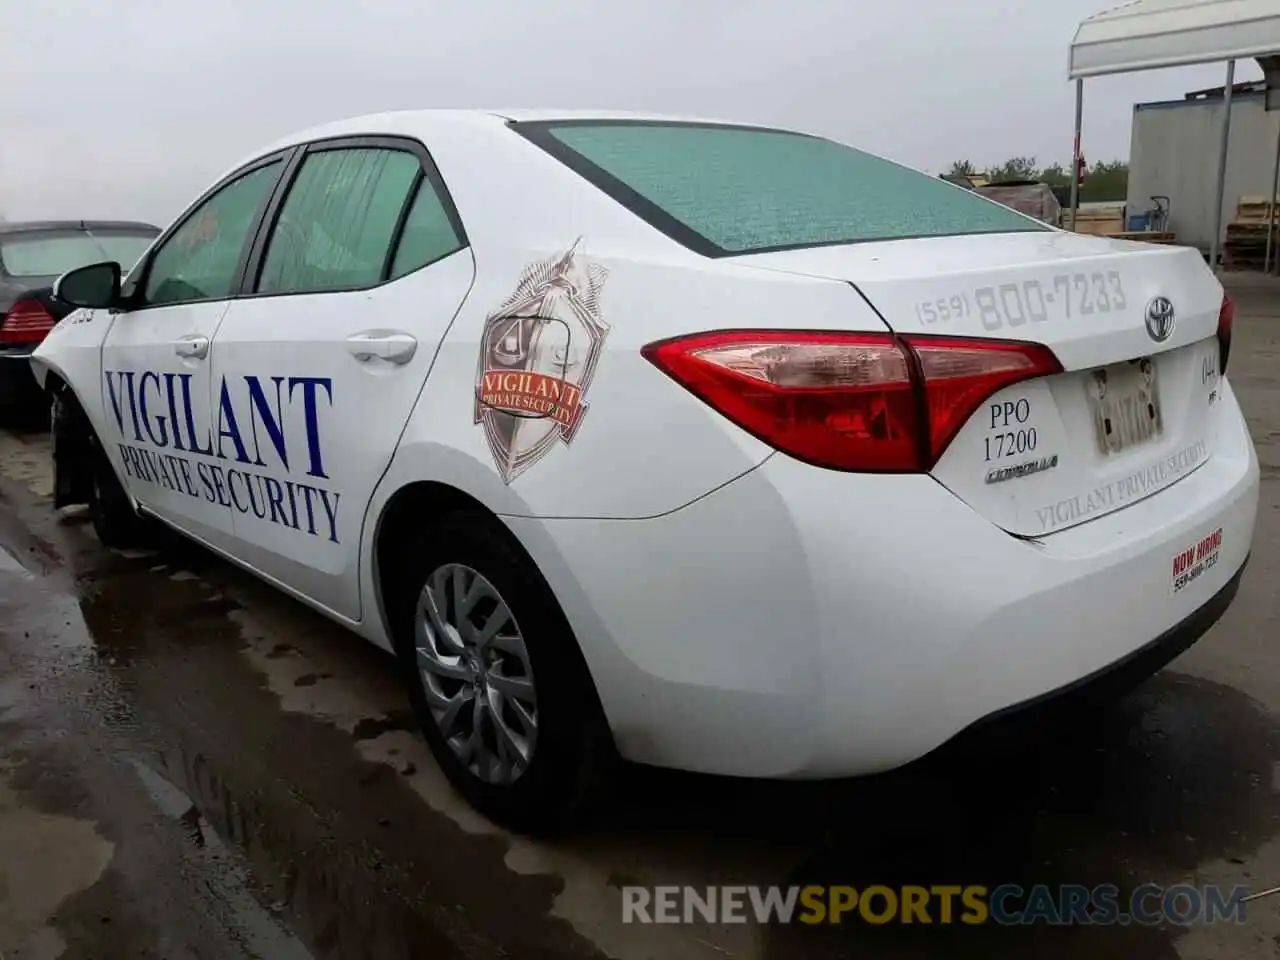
94,286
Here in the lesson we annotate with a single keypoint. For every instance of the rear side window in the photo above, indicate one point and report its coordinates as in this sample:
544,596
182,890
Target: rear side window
429,234
338,223
724,190
52,253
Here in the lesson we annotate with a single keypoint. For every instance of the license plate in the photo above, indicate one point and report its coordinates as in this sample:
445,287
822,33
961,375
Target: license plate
1125,404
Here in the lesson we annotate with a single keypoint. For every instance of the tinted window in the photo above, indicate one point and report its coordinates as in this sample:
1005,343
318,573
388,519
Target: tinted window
727,190
428,234
338,222
54,253
199,260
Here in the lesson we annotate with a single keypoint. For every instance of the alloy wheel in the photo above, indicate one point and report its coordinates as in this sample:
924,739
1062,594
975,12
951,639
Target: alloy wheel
476,673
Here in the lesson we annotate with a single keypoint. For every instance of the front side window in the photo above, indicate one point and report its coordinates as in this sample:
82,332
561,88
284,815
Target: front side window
199,261
53,253
726,190
339,220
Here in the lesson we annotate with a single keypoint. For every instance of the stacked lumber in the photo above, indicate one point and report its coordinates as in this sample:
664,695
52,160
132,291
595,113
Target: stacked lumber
1033,199
1146,236
1100,220
1246,245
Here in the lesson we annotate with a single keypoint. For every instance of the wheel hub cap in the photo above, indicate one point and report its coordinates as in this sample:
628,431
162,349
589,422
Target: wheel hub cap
476,673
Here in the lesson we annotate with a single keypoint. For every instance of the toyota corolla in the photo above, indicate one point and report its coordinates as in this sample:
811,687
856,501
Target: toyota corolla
717,447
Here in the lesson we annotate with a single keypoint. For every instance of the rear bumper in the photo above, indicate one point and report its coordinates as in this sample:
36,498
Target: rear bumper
801,622
1113,680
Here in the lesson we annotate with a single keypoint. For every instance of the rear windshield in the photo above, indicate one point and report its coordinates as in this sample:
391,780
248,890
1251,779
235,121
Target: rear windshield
52,253
725,190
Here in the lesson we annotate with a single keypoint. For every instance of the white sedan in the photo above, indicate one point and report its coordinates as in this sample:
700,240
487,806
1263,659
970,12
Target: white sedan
716,447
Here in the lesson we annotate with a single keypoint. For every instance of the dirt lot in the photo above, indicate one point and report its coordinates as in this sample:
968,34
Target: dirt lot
192,765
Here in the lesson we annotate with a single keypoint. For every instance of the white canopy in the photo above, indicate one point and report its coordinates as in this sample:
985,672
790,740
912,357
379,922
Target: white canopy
1147,34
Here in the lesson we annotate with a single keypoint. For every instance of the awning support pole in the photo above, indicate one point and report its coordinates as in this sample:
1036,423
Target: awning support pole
1271,205
1075,162
1216,242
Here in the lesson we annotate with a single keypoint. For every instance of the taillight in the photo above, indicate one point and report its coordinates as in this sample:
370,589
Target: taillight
1226,319
849,401
26,322
961,374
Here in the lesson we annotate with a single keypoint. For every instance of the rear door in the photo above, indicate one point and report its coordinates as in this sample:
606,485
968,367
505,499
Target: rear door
354,284
167,441
1134,326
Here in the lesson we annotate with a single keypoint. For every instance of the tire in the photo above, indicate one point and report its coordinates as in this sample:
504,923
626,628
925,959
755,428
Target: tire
115,521
571,747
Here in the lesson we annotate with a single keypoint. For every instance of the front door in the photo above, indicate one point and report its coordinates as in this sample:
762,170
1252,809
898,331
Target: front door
162,431
361,275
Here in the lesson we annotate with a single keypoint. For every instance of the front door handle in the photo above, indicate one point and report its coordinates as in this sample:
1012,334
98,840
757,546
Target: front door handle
393,347
194,346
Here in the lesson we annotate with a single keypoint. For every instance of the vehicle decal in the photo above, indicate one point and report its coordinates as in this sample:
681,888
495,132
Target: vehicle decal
1057,298
1127,489
538,353
162,442
1196,560
1013,431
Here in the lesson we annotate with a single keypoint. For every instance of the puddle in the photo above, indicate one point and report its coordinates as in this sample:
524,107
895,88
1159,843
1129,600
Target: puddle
44,860
335,893
225,876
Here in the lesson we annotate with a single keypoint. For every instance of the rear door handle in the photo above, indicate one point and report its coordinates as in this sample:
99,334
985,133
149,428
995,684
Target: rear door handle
393,347
193,345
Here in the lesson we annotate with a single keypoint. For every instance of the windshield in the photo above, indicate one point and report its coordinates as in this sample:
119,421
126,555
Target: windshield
724,190
53,253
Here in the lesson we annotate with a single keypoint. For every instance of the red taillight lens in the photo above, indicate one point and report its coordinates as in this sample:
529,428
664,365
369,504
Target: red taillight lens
26,322
1226,319
960,374
835,399
850,401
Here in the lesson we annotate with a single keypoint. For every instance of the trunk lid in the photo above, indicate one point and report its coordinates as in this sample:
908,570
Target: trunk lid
1136,407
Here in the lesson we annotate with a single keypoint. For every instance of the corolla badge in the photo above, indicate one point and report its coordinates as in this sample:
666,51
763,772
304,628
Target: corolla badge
538,354
1160,318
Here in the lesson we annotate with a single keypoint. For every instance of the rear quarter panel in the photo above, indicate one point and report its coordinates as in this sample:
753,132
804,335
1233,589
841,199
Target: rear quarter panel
640,445
637,444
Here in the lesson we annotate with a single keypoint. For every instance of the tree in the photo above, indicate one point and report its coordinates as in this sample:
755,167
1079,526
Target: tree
1015,168
1055,176
1106,182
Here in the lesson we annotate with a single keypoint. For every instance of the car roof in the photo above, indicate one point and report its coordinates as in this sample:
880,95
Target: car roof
506,189
528,116
416,122
353,126
34,226
441,122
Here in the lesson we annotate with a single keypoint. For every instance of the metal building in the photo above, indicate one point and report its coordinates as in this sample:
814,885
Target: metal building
1174,148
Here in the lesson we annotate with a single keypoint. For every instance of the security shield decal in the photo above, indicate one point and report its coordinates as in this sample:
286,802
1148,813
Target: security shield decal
538,353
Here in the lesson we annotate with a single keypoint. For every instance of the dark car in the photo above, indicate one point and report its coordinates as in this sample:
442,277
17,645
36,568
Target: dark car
32,255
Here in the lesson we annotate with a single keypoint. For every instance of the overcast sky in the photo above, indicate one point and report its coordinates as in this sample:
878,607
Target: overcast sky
129,108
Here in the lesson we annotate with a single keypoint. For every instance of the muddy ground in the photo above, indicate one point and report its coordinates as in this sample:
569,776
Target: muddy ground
194,766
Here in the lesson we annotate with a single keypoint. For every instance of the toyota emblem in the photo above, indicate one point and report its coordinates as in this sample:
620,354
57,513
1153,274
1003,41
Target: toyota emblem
1160,318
